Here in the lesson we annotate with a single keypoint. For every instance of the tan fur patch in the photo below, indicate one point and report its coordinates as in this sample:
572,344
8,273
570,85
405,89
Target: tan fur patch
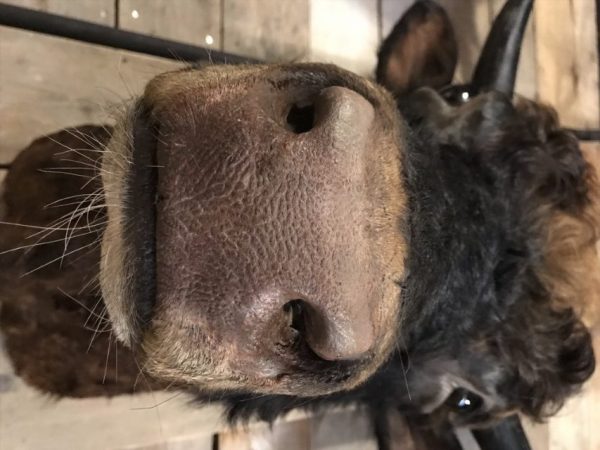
572,269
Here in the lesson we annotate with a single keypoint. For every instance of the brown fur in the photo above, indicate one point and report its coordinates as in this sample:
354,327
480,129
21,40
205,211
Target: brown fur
49,318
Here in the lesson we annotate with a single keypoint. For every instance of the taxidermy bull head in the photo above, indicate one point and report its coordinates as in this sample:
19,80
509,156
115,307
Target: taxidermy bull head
300,232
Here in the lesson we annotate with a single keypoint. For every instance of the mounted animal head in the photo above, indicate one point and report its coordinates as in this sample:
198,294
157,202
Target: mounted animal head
296,230
302,233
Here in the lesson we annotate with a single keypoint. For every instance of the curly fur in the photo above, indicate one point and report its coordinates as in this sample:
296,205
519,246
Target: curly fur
495,279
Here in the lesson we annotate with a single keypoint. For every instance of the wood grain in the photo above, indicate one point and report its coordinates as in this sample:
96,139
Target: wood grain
471,21
162,420
344,430
292,435
194,21
59,83
269,30
98,11
337,430
567,59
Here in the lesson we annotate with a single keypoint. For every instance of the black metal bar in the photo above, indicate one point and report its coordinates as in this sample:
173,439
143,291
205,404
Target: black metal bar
42,22
507,435
424,436
585,135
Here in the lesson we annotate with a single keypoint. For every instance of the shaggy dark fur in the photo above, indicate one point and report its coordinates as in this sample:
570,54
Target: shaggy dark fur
480,210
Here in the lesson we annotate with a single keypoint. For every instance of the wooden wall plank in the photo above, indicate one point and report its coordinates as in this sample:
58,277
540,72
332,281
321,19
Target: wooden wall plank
204,442
269,30
347,429
99,11
194,21
345,32
567,57
537,433
576,425
471,22
49,83
292,435
344,430
31,420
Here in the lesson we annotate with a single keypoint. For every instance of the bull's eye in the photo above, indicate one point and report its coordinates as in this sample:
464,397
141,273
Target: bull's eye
301,118
463,401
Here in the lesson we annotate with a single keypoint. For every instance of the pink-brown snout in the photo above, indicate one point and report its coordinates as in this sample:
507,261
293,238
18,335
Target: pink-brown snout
278,242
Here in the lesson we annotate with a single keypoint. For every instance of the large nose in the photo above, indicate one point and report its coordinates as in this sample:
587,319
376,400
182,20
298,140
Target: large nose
266,228
334,325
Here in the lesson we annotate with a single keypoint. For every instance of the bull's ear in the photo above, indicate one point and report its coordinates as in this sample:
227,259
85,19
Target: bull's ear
420,51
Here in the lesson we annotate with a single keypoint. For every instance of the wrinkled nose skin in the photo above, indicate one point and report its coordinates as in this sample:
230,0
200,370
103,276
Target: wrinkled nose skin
271,236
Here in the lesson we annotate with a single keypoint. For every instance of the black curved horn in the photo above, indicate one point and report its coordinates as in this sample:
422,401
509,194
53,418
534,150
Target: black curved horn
499,59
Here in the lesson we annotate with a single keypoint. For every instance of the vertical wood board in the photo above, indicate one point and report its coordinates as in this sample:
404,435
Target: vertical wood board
567,60
334,430
49,83
269,30
471,21
32,420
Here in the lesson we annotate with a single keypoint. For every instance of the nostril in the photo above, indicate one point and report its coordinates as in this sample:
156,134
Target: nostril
294,310
301,118
290,327
323,335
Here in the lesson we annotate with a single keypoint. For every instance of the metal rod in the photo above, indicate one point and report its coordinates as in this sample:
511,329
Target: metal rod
55,25
507,435
585,135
